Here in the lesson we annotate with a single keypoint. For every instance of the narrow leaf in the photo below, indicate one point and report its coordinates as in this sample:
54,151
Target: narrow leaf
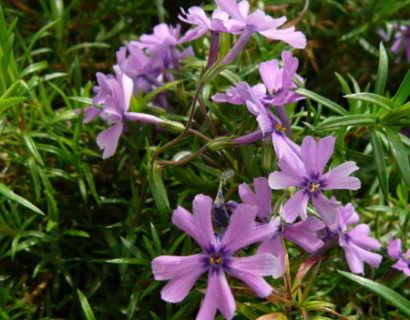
344,121
388,294
88,312
5,191
380,164
400,154
382,70
404,90
376,99
322,100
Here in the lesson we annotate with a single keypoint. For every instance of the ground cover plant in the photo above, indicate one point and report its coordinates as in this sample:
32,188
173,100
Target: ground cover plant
204,160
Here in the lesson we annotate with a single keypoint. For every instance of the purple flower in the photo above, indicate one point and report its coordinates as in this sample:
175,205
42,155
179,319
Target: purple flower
305,234
114,93
197,16
356,242
216,259
161,46
306,173
278,81
277,86
259,22
403,258
269,124
401,40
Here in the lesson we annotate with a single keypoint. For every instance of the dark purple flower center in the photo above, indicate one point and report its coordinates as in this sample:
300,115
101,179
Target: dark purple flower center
313,184
216,258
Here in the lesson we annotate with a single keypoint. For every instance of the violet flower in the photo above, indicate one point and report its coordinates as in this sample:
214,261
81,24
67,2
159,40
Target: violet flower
162,45
216,259
305,234
403,258
306,173
197,16
259,22
276,89
356,242
401,40
114,93
269,124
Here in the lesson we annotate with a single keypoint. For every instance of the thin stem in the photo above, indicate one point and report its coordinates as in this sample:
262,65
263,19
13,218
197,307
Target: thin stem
238,46
186,129
183,161
199,134
298,18
207,118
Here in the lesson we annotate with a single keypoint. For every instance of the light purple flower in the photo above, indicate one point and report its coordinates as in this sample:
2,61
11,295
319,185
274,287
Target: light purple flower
279,81
269,124
306,173
356,242
197,16
216,259
395,251
259,22
305,234
116,101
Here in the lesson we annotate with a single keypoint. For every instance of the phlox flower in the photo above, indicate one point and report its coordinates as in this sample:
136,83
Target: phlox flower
403,258
401,41
277,86
114,94
305,234
197,16
162,46
306,173
269,124
216,259
258,21
356,242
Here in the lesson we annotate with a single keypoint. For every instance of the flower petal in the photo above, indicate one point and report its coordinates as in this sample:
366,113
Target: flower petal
326,208
170,267
251,269
107,140
218,296
338,178
237,233
304,233
296,206
274,246
295,38
394,248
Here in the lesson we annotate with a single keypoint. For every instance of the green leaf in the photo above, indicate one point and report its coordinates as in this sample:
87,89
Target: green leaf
376,99
160,89
136,261
344,121
400,154
382,70
404,90
88,312
8,193
8,102
390,295
87,45
380,163
322,100
158,190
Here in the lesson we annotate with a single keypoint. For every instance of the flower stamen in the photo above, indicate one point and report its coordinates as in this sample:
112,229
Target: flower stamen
215,259
313,186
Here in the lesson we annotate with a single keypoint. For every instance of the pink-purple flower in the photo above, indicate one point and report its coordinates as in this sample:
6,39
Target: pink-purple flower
258,21
307,174
394,249
114,94
216,259
356,242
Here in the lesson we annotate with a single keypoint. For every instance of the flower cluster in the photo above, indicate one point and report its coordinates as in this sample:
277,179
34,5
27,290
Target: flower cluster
308,215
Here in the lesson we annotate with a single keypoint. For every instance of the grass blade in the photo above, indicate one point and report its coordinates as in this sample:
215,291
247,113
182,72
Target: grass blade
8,193
390,295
